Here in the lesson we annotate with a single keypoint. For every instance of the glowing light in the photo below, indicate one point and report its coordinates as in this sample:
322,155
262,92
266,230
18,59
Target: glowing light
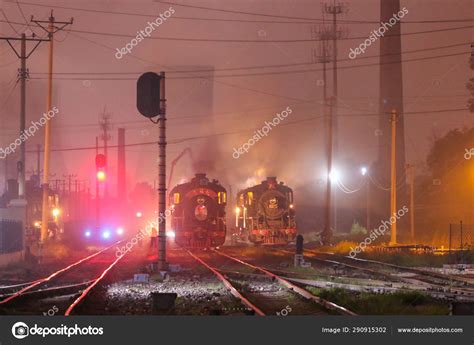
363,171
106,234
101,175
56,212
88,233
237,210
334,176
120,231
139,214
292,206
37,224
170,234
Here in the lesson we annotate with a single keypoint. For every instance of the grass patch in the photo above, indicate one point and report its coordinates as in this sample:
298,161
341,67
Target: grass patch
398,303
419,260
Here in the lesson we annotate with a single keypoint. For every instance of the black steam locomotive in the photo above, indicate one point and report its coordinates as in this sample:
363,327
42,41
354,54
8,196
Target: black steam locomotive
265,214
198,217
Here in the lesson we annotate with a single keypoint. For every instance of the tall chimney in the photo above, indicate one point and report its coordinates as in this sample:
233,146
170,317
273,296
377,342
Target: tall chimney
391,98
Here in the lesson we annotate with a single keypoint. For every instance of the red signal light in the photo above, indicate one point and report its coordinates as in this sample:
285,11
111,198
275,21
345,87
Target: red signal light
100,161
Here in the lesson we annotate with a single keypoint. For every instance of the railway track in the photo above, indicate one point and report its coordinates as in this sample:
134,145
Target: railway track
297,299
436,284
57,284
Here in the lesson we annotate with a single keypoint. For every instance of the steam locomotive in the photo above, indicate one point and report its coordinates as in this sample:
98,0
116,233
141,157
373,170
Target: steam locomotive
198,217
265,213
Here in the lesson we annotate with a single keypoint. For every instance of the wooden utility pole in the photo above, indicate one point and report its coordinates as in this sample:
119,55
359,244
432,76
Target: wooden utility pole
51,29
411,179
393,189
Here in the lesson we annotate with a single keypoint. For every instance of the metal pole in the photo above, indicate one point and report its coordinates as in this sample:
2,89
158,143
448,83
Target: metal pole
462,245
162,264
23,75
47,135
368,205
393,190
97,191
38,161
411,172
450,226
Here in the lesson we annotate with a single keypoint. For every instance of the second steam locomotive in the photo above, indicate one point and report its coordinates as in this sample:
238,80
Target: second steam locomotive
265,214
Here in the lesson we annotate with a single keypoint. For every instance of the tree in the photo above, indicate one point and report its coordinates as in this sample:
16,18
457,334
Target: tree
445,192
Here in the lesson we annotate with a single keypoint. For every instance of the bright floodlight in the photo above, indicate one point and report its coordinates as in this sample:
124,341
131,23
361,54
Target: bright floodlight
363,171
106,234
120,231
334,176
170,234
87,233
56,212
139,214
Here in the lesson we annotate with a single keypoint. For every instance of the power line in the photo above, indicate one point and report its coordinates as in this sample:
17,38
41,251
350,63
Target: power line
277,72
268,15
259,66
300,21
227,40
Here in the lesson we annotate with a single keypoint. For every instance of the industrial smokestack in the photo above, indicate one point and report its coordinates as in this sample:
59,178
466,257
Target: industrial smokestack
121,178
391,98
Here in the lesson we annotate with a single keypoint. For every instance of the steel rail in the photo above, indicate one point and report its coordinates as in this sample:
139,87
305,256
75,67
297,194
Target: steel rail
228,285
306,294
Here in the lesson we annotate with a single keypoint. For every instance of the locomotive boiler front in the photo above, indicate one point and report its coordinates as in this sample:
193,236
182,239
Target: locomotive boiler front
265,213
198,219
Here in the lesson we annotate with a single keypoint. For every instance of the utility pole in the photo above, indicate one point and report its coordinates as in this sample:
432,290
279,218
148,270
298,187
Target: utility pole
105,126
97,190
51,29
411,179
328,35
368,205
23,75
393,189
322,34
38,161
